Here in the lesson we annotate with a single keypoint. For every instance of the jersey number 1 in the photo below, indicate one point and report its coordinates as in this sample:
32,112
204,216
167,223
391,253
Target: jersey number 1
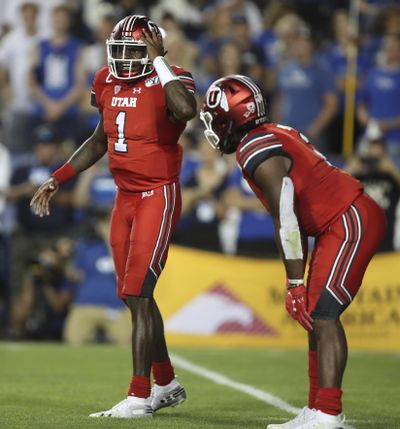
120,145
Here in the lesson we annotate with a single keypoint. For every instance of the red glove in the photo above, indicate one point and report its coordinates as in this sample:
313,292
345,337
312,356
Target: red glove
296,305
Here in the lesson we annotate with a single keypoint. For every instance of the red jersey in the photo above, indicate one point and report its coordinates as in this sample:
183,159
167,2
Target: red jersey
143,145
322,192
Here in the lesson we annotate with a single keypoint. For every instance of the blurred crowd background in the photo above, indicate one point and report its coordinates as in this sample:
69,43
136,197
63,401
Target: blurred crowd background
56,274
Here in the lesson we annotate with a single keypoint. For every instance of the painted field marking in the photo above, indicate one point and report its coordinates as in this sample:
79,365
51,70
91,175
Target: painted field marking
221,379
218,378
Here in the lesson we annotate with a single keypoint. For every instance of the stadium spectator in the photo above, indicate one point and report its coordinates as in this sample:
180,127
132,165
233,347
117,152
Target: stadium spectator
379,100
373,11
252,57
268,40
57,76
12,18
336,57
387,21
14,71
41,305
305,79
32,231
187,13
96,312
381,180
201,206
124,8
249,10
246,228
218,24
144,105
180,50
191,158
93,11
307,197
95,188
230,60
94,56
284,33
5,168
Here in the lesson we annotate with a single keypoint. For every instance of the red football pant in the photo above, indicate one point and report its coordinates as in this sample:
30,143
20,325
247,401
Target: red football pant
141,228
341,256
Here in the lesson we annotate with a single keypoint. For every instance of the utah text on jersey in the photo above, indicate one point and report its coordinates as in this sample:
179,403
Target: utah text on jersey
124,101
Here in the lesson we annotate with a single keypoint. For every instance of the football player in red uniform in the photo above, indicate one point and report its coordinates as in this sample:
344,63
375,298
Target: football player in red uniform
306,196
144,104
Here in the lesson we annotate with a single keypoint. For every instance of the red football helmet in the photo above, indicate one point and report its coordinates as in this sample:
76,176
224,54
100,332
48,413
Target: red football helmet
232,105
126,52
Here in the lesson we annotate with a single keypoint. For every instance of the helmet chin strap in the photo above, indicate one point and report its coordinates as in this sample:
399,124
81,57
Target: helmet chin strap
231,141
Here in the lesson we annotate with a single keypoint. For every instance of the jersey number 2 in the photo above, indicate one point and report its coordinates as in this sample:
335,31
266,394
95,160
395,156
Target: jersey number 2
120,145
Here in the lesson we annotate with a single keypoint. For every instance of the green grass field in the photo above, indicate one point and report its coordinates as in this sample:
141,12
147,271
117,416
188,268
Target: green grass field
55,386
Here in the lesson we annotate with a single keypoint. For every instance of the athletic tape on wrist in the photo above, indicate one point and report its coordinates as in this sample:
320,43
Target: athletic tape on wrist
295,282
164,71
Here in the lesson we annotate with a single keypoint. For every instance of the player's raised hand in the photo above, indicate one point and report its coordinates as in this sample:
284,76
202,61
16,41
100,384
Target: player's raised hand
296,299
154,43
42,197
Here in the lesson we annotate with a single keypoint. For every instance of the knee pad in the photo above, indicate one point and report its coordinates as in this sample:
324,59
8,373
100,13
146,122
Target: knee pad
327,307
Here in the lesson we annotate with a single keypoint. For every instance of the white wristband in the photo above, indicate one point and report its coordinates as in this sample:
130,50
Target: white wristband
295,282
164,71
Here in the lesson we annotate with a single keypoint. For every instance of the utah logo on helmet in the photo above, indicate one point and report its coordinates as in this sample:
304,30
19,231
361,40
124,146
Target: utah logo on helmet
232,105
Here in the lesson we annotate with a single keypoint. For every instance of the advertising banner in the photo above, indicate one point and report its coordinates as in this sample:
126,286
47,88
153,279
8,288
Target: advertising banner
211,299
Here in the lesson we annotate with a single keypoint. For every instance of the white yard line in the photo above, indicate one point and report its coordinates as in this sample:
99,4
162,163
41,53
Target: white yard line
221,379
218,378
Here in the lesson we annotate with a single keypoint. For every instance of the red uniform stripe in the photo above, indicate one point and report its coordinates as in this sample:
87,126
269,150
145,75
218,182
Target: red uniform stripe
168,231
153,264
165,229
256,146
354,219
344,259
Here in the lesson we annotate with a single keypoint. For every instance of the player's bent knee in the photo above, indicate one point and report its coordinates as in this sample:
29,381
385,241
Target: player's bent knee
327,307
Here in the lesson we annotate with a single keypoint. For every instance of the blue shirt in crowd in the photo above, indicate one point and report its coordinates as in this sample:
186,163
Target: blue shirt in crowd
381,94
336,59
254,225
56,70
102,190
98,286
303,89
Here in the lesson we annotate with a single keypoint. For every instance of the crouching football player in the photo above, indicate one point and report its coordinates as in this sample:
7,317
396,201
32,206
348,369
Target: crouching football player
306,196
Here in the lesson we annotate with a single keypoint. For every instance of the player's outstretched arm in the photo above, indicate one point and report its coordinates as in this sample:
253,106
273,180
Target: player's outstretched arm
180,101
272,177
84,157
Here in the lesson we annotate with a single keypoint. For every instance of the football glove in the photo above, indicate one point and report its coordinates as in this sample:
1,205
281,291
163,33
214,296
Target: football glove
296,305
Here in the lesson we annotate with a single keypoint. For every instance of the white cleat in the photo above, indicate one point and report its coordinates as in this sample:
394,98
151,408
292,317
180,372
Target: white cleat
129,408
301,418
170,395
322,420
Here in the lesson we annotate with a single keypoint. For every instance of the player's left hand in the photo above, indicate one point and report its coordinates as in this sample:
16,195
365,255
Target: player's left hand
296,299
154,43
